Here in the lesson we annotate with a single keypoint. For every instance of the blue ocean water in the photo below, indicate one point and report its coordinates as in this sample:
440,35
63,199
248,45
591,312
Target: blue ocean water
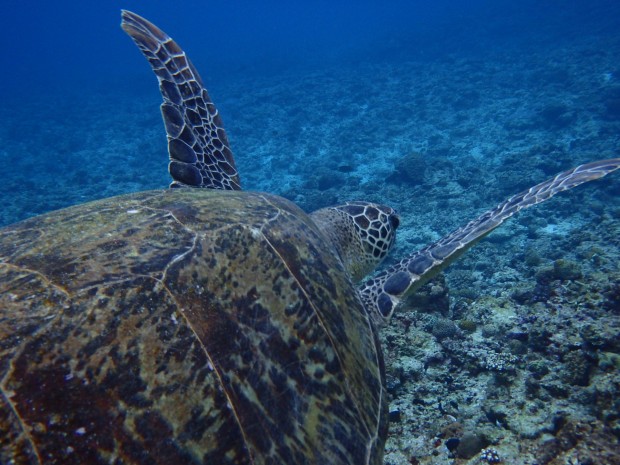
441,109
79,104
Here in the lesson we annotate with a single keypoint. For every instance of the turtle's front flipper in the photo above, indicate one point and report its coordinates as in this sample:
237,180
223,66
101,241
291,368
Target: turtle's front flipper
383,293
199,152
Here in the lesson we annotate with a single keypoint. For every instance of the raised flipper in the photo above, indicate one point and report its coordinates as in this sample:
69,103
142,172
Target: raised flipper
199,152
383,293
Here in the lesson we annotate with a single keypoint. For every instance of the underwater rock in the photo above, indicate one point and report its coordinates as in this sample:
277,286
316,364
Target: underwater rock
461,309
532,387
539,339
591,441
538,368
601,335
609,361
555,116
470,445
517,347
392,383
454,429
439,148
468,326
452,444
490,330
556,389
325,179
443,329
523,295
497,417
563,270
518,335
566,270
431,298
409,169
612,298
532,258
394,415
577,368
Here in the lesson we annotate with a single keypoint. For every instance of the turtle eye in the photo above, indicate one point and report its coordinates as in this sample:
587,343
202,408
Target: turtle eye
394,220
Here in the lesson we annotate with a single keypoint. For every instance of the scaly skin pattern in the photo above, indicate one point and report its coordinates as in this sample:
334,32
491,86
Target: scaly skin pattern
200,154
184,327
383,293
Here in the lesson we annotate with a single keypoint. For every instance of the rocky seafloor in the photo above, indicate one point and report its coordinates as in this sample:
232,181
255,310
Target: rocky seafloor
514,353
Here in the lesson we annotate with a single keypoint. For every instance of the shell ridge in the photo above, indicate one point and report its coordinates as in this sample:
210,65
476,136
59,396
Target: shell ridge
181,256
190,325
43,277
310,301
217,372
161,281
7,399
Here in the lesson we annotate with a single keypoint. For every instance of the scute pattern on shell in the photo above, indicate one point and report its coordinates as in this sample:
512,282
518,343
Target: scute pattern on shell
183,326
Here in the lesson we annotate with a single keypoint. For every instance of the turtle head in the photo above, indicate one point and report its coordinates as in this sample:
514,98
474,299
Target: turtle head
362,232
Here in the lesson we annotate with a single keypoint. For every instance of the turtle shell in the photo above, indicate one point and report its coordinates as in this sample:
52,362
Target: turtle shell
184,326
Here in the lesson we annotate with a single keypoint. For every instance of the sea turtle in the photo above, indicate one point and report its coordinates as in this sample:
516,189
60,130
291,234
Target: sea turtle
213,326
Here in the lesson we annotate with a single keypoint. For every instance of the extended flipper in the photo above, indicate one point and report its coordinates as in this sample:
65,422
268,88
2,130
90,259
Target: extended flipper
200,155
384,292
